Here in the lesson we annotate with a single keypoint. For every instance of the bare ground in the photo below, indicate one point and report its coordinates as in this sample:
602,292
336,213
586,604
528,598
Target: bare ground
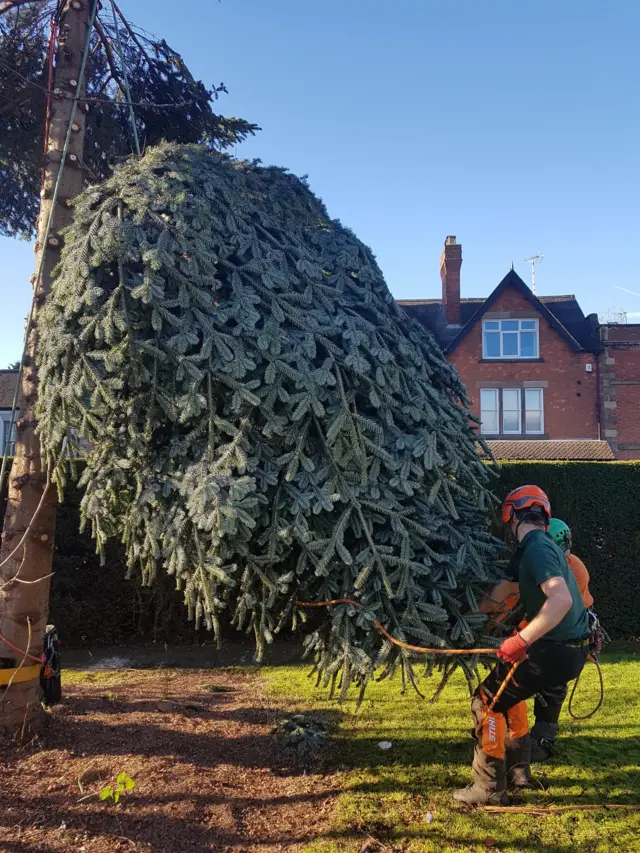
209,775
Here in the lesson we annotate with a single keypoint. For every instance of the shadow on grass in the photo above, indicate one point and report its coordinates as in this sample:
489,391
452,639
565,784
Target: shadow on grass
115,732
620,650
584,750
413,765
552,789
181,657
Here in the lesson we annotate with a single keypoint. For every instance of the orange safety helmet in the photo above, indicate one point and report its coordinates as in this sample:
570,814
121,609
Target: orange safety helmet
523,498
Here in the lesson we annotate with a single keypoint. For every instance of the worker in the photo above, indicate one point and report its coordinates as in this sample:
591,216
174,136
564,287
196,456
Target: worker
549,703
549,651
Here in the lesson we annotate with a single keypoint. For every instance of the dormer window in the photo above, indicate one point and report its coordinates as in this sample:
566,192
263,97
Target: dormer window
510,339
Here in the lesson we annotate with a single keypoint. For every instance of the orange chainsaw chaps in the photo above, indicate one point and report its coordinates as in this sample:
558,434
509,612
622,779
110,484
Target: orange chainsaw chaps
494,733
518,720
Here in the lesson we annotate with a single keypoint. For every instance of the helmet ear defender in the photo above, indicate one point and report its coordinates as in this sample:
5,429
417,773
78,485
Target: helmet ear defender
523,498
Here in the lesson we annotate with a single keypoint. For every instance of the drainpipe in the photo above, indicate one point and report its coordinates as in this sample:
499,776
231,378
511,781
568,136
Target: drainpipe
598,403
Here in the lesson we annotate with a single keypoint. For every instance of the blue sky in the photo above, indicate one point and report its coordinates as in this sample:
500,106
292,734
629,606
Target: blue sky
513,125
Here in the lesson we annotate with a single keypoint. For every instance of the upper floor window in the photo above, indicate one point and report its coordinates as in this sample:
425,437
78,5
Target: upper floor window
5,418
510,339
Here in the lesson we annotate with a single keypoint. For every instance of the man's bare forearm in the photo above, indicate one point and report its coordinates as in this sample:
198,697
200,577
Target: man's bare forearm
551,613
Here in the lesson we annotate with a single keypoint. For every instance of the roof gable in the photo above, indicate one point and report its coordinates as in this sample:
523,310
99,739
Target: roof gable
513,281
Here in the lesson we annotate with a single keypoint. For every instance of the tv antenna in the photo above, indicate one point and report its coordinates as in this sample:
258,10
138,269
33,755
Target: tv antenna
616,316
533,260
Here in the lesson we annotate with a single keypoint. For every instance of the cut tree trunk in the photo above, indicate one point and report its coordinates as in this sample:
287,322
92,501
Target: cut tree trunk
24,581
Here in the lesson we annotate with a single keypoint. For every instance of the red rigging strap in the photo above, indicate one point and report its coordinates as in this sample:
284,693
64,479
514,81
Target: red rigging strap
10,645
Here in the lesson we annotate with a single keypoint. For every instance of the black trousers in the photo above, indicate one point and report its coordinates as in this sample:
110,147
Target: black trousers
502,740
549,703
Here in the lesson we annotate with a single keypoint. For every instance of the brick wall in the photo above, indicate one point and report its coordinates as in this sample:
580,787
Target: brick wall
8,380
621,389
570,392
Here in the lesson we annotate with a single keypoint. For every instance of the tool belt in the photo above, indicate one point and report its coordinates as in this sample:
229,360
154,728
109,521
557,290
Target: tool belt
578,644
594,640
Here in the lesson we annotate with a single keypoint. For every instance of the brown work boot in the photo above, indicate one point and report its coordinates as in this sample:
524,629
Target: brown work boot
518,758
473,795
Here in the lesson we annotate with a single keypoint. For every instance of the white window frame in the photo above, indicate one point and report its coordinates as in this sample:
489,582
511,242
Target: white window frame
522,411
541,410
497,395
5,417
517,392
499,330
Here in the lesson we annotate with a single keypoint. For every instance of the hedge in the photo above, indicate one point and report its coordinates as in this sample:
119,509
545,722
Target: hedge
95,605
600,501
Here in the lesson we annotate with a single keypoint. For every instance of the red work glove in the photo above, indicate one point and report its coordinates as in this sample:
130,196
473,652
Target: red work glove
514,649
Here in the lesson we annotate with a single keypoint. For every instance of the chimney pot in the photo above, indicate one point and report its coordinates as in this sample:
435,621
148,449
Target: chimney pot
450,264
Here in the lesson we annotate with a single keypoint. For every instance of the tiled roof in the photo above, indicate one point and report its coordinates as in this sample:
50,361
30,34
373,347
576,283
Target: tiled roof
562,311
7,387
550,449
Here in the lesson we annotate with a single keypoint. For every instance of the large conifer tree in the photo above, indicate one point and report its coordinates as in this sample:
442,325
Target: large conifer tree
263,421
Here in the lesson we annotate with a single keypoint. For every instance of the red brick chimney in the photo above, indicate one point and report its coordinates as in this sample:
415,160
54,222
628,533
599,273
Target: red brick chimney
450,263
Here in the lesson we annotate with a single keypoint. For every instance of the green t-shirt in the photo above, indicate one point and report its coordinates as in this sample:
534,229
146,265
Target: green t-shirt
538,559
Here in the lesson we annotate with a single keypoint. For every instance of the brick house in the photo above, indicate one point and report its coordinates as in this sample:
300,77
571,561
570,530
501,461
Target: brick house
534,368
8,380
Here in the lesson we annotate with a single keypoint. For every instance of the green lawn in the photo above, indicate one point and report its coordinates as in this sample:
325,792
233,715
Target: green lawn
387,794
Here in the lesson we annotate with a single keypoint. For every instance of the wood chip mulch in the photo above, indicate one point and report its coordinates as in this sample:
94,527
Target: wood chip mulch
199,745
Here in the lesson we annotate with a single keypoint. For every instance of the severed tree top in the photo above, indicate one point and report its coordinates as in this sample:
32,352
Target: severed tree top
263,421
